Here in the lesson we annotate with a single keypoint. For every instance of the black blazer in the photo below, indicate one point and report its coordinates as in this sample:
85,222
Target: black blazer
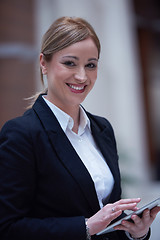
45,190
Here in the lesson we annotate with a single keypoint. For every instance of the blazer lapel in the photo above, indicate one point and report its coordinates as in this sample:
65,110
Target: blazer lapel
66,153
103,140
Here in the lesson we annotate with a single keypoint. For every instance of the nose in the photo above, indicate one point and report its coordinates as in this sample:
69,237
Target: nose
80,75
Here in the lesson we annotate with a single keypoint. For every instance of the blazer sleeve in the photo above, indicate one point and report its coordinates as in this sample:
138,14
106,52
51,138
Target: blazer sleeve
18,188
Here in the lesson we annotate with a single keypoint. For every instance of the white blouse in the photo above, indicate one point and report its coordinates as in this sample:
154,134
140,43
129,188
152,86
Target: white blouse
87,150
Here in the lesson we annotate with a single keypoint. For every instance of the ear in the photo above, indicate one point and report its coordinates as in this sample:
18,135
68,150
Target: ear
43,64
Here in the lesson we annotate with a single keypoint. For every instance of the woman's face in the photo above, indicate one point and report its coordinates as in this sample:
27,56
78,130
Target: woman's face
71,73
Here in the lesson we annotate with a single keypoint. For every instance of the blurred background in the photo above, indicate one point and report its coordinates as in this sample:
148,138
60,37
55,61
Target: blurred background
127,91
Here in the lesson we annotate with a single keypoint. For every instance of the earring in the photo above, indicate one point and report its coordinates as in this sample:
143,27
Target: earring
44,71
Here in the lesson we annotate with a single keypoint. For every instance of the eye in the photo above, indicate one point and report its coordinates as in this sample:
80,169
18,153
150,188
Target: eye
91,65
69,63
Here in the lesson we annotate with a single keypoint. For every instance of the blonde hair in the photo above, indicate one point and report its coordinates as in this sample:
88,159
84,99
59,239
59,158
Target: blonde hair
64,32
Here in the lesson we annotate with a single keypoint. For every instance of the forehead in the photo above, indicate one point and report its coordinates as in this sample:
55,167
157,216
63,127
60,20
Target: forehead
85,47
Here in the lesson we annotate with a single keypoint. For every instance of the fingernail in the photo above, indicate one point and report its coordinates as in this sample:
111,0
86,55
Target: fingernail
123,222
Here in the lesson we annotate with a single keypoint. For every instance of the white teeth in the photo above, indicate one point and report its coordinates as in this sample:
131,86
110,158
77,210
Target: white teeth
74,87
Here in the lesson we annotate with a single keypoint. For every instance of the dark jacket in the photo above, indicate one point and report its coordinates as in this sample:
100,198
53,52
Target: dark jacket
45,190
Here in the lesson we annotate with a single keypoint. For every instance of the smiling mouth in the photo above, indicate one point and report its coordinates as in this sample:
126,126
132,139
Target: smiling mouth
76,89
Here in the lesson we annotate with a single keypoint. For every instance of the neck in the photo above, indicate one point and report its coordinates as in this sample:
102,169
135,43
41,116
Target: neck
73,111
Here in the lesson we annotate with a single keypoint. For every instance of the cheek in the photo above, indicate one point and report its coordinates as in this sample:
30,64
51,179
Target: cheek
62,73
55,74
93,77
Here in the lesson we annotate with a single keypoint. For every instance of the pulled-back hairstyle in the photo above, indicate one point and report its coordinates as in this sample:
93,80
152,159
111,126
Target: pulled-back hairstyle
64,32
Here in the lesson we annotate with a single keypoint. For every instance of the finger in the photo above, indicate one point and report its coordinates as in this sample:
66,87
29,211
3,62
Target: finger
129,200
146,216
126,202
121,227
154,212
135,209
108,218
122,207
125,226
115,214
137,220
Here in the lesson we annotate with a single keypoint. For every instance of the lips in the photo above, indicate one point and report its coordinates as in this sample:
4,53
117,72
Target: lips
76,89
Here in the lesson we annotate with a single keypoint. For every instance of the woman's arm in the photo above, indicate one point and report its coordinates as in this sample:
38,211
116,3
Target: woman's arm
18,189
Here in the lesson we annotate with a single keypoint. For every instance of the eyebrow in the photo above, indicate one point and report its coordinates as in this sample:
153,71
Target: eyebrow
76,58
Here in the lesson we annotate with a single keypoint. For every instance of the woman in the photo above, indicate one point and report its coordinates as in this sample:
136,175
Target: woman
59,175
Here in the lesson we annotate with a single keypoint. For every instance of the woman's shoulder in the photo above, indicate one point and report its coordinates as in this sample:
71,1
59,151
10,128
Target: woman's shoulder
20,124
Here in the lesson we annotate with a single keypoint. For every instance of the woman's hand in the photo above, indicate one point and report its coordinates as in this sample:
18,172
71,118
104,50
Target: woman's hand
103,217
140,226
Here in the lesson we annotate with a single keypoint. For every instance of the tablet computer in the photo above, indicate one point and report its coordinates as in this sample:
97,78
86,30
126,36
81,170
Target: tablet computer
139,212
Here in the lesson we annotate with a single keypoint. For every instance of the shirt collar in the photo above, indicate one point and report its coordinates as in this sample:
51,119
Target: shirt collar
66,121
84,121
